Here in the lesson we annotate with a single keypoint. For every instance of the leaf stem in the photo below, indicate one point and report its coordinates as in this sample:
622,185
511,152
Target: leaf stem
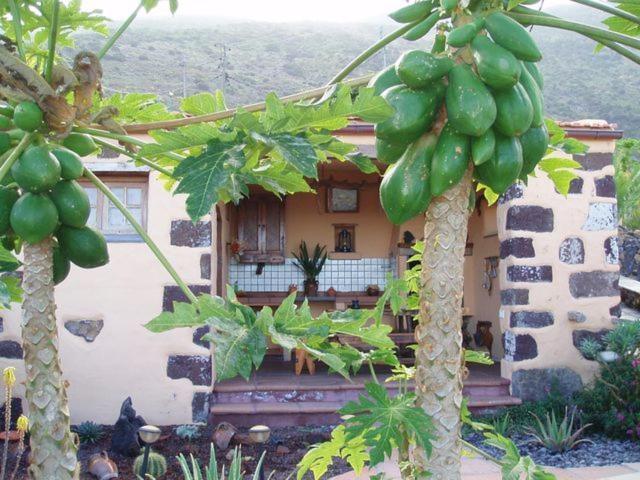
480,452
53,38
133,156
372,50
254,107
609,9
16,19
373,371
15,154
118,33
554,22
138,228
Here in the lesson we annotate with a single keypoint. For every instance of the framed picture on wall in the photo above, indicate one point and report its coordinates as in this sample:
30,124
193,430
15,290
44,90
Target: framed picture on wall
342,200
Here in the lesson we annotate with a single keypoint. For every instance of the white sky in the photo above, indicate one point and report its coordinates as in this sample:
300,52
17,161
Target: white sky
264,10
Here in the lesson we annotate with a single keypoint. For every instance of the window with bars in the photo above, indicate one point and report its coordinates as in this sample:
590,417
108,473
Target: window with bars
132,192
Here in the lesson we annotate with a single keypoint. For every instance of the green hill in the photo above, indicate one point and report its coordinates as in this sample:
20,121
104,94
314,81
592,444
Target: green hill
169,58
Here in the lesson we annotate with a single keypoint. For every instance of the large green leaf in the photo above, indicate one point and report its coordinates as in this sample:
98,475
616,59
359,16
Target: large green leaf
292,149
560,171
384,422
10,291
135,107
202,177
204,103
8,262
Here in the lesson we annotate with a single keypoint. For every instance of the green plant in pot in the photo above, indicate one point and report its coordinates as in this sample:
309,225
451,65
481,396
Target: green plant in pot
310,265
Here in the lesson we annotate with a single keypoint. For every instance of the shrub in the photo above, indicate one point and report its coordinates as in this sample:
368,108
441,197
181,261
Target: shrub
558,436
612,401
188,432
89,432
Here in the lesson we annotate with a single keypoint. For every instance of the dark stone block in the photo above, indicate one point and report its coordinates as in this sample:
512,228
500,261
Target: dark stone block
572,251
577,317
530,218
1,324
616,311
629,253
605,187
535,384
576,185
528,273
198,334
594,161
185,233
517,247
196,368
528,319
514,191
173,293
16,411
514,296
87,329
205,266
200,407
124,439
594,284
580,336
519,347
10,349
611,251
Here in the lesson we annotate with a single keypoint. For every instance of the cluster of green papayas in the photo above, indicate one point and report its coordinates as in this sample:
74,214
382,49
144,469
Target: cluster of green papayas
474,100
40,196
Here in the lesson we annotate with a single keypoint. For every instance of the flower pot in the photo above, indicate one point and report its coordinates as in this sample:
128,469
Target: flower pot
311,288
102,466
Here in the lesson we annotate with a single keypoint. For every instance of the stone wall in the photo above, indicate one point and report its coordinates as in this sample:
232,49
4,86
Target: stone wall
559,276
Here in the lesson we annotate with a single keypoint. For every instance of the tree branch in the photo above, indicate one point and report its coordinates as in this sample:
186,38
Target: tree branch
15,154
133,156
609,9
118,33
53,38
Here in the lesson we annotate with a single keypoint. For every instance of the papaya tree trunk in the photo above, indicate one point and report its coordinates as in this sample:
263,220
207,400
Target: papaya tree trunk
439,359
53,447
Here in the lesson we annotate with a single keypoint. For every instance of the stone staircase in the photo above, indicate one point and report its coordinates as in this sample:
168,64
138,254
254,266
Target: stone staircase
313,400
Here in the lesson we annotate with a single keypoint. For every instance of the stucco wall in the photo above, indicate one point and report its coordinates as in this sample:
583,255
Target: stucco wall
559,275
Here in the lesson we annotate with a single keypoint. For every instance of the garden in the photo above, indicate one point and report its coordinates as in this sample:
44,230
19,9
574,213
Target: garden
457,124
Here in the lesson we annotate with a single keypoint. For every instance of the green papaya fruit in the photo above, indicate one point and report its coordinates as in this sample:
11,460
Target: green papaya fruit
8,197
385,79
533,69
72,203
85,247
509,34
448,5
5,142
439,43
6,123
37,170
61,265
28,116
80,143
482,147
71,167
535,142
404,191
388,152
414,112
450,160
515,112
16,134
535,95
413,12
504,167
497,67
460,36
6,110
418,69
471,108
422,28
34,217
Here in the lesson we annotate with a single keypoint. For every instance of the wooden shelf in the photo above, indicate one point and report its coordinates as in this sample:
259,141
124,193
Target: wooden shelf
345,256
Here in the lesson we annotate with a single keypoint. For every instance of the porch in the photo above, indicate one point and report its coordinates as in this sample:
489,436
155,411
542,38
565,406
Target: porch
275,397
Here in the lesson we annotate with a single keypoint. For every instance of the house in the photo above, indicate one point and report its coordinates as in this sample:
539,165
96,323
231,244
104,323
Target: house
541,274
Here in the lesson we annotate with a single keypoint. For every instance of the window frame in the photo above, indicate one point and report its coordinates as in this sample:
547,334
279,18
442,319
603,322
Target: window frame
102,205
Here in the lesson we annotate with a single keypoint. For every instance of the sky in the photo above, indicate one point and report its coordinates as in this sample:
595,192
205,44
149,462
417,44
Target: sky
264,10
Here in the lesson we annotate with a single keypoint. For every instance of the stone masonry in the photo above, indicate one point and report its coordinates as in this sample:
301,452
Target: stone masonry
559,276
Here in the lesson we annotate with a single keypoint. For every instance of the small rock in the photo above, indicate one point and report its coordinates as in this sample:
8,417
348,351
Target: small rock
229,455
87,329
282,450
223,434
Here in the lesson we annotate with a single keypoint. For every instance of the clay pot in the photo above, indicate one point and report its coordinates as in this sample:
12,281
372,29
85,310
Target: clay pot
311,288
101,466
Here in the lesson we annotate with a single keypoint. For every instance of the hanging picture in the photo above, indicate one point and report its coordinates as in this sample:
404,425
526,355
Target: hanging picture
342,200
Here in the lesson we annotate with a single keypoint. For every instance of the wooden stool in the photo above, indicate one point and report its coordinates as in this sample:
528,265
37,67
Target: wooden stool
303,358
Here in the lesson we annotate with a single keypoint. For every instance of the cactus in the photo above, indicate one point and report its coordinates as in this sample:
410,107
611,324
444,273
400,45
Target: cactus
156,467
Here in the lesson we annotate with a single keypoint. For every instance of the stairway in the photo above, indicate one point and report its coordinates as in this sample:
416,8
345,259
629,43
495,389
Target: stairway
313,400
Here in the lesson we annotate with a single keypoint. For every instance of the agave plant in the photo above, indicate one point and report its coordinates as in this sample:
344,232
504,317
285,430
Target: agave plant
192,471
310,265
558,436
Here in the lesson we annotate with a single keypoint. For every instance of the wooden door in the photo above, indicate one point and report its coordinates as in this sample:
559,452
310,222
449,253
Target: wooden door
261,229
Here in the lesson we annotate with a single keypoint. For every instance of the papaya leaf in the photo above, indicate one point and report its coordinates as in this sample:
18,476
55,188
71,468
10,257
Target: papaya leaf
474,356
8,262
183,315
10,291
363,162
514,466
490,196
320,456
202,177
294,150
135,107
384,422
184,138
560,172
204,103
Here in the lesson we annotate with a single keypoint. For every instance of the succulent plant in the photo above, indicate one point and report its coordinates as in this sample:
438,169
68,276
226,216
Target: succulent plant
89,432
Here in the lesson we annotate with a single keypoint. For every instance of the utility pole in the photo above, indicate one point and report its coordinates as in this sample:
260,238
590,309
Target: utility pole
224,66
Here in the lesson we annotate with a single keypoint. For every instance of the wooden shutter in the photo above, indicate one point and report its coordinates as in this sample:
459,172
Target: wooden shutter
261,228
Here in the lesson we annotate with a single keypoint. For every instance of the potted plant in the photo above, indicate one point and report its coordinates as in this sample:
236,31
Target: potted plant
311,266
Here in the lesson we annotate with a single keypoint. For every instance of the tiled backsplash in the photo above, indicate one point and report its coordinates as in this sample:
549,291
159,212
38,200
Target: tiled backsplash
343,275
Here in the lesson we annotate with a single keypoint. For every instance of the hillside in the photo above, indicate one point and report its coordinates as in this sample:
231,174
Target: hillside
164,58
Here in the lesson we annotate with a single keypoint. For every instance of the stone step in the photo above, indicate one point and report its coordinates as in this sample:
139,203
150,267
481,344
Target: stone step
246,414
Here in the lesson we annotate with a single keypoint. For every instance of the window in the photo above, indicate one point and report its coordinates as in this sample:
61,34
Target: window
132,192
